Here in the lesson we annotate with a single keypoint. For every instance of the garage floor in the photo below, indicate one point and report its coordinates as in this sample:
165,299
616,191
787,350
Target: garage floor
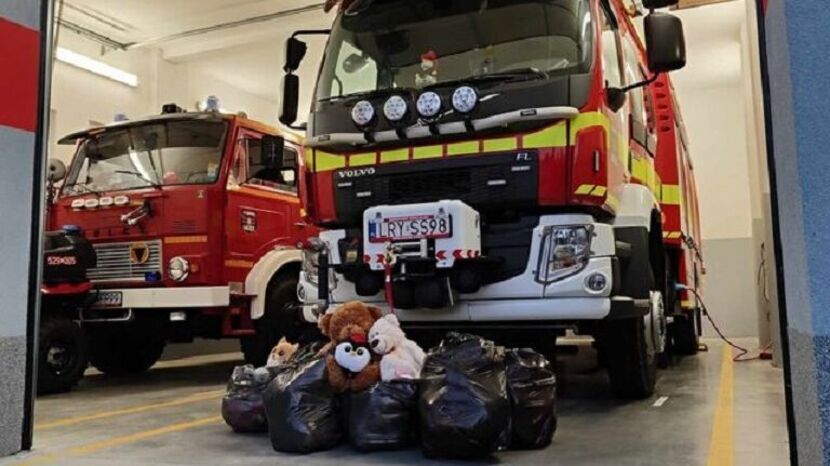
707,410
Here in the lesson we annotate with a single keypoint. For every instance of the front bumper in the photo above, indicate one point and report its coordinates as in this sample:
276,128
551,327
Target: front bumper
162,298
521,298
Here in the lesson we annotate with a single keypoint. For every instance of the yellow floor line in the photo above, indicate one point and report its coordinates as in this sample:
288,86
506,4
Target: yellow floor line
722,444
195,398
96,447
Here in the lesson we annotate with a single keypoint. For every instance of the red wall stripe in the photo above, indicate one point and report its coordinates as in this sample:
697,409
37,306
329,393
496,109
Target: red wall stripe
19,75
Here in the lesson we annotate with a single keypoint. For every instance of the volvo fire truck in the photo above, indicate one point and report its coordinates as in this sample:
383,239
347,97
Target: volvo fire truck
192,223
516,167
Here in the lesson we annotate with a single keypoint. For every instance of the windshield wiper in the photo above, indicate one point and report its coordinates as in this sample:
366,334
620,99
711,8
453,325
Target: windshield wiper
523,74
141,176
355,95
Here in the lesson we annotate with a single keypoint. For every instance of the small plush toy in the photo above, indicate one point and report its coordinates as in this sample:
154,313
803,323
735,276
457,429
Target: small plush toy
428,74
353,355
281,353
402,357
350,323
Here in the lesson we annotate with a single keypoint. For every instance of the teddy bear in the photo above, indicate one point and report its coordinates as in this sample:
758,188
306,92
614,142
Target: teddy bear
347,328
402,358
281,353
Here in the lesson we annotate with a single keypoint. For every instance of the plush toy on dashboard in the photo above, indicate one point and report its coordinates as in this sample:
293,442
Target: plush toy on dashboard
402,358
349,363
428,73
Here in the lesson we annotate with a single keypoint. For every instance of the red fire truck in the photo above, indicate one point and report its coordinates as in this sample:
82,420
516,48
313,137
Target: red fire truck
515,167
194,223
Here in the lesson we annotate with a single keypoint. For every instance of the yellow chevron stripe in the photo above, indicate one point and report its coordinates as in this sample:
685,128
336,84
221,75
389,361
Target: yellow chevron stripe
361,160
428,152
584,190
461,148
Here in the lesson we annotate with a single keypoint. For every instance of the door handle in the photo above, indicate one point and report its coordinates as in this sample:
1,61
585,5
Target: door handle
301,224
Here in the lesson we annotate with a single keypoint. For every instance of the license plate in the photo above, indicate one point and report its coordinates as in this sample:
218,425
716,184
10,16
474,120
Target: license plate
410,228
111,299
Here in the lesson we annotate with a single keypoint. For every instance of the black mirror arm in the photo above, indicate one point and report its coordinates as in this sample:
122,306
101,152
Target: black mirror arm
645,83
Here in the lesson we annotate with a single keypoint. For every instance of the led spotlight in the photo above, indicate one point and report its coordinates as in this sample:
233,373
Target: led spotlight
395,109
429,104
464,99
363,113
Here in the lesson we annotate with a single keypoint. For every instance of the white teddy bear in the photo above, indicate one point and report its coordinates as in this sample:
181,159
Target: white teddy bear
402,357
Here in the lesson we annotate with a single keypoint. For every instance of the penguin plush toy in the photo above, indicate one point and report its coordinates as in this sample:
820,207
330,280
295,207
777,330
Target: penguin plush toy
353,355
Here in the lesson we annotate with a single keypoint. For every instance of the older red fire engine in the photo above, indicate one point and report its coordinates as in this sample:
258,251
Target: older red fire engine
517,167
188,224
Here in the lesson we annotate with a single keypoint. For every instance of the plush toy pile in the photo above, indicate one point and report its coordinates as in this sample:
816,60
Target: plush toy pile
372,386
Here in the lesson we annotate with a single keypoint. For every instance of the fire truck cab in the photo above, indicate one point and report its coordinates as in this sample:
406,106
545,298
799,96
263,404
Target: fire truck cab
494,166
194,221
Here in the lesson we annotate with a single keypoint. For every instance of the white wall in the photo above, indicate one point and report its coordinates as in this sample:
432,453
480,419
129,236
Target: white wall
79,97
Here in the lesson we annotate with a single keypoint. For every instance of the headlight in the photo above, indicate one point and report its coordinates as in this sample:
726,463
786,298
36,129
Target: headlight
464,99
565,252
178,269
363,113
395,109
311,264
429,104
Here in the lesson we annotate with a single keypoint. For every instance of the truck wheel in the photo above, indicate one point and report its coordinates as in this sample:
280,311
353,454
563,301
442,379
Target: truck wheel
630,359
124,351
280,320
63,356
683,331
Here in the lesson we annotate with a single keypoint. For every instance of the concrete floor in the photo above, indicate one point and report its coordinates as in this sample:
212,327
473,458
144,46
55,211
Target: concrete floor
707,410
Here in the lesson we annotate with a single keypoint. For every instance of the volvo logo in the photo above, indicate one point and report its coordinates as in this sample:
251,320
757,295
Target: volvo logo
357,172
139,253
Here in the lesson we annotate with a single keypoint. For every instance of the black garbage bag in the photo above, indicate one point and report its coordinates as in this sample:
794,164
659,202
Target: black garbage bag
242,406
382,417
531,384
464,408
301,408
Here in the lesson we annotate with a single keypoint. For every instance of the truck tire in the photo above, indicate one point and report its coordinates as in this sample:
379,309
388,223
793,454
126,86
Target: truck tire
124,351
62,355
280,320
683,332
630,360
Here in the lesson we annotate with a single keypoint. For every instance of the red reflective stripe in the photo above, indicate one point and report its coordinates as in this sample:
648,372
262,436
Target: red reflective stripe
19,75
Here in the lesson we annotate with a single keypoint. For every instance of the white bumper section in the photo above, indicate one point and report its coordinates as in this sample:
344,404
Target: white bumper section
521,298
166,298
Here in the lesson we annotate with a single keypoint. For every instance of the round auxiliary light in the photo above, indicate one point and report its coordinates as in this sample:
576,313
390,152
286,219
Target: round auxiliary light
363,113
464,99
429,104
395,109
178,269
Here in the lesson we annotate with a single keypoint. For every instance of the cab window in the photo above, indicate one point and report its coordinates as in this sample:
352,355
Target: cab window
260,174
611,66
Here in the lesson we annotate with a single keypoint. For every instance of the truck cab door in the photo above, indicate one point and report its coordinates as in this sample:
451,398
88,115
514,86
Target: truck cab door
262,207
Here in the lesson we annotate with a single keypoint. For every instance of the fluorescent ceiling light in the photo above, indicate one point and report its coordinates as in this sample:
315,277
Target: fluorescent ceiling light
94,66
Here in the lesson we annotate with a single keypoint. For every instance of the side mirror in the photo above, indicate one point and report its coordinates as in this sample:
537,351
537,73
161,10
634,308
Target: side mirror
652,4
272,150
665,42
295,51
56,171
290,99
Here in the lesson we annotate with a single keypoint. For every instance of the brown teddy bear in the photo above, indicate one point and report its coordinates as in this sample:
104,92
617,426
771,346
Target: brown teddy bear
349,363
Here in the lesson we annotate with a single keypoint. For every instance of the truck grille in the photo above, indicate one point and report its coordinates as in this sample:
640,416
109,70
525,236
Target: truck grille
126,261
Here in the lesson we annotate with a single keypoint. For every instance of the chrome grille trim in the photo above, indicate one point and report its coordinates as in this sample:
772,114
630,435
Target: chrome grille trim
114,262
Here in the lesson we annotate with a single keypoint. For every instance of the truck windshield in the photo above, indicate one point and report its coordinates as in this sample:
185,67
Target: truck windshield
405,44
148,155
